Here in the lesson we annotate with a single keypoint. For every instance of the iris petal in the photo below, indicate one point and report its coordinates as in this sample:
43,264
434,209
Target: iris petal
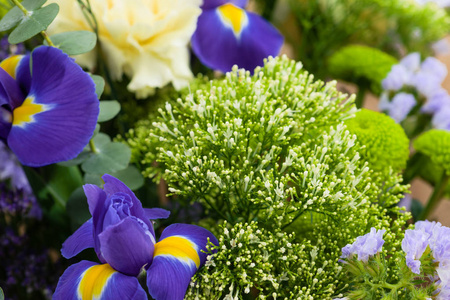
88,280
156,213
177,257
60,130
209,4
81,239
127,247
95,196
229,35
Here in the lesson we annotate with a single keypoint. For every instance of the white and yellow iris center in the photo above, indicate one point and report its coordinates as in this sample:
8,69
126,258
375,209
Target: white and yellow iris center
179,247
24,113
233,17
93,281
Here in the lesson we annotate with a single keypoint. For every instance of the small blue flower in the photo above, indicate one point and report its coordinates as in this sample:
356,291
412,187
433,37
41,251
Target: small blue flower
365,246
414,244
401,105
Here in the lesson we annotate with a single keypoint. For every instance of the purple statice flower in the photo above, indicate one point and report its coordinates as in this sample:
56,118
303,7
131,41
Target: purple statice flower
11,169
401,105
436,102
414,244
365,246
405,202
397,78
18,203
441,47
441,119
430,76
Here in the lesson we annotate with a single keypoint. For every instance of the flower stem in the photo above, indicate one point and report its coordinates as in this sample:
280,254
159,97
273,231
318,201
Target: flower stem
47,38
359,101
92,146
435,196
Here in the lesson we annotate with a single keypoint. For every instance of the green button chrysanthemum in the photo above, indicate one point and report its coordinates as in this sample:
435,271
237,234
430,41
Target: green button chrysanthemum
435,144
386,144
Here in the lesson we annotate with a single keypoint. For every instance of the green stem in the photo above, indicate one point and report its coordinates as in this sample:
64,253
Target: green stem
92,146
21,7
435,197
359,101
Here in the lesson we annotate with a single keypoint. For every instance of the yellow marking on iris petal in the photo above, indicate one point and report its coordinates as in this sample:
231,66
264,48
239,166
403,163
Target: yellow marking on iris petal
10,64
94,280
179,247
233,16
25,112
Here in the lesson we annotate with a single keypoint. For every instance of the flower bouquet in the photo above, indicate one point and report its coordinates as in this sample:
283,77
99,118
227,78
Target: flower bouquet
188,149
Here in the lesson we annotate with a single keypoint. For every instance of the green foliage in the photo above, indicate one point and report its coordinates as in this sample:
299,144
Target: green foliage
108,110
32,24
435,144
74,42
14,16
384,142
357,64
395,27
107,157
272,148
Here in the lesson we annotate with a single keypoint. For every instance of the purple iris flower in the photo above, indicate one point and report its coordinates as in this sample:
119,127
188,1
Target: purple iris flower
365,246
122,235
229,35
49,114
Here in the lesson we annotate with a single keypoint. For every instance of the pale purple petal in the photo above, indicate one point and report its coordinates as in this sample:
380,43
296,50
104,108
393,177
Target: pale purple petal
401,105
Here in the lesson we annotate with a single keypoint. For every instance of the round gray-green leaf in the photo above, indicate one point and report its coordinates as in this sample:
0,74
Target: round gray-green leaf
108,110
15,15
31,25
99,84
109,158
75,42
2,296
130,176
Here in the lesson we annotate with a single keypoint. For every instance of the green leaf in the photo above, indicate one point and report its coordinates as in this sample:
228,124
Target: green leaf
32,25
108,110
11,19
99,84
77,208
77,160
130,176
74,42
109,157
96,179
63,181
2,296
15,15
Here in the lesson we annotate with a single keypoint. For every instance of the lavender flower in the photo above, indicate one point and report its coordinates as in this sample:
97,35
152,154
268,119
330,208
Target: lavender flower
430,76
441,119
397,78
401,106
436,102
365,246
414,244
441,47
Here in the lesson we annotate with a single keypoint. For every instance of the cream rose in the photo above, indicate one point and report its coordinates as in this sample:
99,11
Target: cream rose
145,39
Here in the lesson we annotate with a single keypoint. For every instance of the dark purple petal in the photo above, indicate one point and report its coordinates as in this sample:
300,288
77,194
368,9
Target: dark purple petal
219,45
127,246
177,257
168,278
81,239
88,280
95,196
66,113
156,213
210,4
113,185
10,93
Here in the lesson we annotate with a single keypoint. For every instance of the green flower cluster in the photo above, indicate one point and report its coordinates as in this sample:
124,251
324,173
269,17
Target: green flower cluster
273,148
384,142
435,144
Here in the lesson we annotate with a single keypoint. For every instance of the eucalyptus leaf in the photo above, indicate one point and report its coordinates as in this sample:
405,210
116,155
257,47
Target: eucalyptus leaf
108,110
77,208
74,42
11,19
130,176
15,15
109,156
2,296
99,84
31,25
90,178
77,160
63,181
